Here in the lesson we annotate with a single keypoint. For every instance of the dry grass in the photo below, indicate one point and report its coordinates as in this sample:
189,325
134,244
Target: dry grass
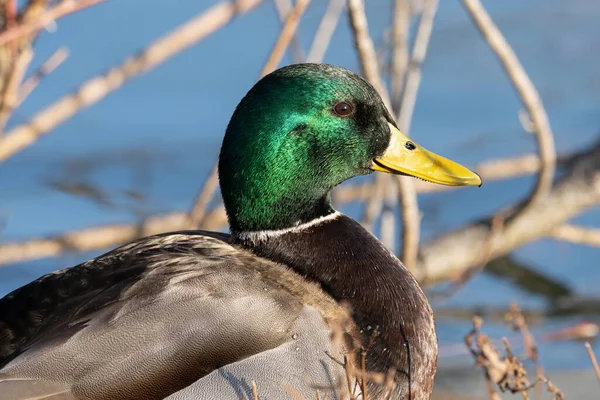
502,369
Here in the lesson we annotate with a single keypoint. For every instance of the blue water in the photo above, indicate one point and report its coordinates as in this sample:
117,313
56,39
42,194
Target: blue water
158,136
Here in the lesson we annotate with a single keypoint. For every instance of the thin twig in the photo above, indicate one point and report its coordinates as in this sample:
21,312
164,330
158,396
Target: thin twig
254,391
405,187
97,88
588,346
527,91
411,221
285,36
411,218
414,71
388,218
367,56
400,51
56,59
325,31
365,48
374,202
283,9
10,92
32,26
203,199
577,234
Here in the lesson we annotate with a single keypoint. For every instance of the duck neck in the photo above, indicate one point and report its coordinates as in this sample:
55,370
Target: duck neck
352,266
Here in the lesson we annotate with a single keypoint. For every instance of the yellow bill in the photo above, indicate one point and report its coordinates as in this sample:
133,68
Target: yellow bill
405,157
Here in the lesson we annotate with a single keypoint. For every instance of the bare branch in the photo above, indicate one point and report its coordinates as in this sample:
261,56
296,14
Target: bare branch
32,26
325,31
97,88
411,221
577,234
411,218
285,36
409,240
413,74
367,56
10,92
56,59
374,199
527,91
196,216
400,51
365,48
588,346
283,9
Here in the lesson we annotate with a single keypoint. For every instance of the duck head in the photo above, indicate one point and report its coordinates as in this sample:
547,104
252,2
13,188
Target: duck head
304,129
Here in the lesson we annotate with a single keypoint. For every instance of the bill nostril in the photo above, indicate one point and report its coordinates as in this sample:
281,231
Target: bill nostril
410,145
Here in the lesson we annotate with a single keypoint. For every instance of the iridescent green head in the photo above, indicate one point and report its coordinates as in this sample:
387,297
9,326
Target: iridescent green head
299,132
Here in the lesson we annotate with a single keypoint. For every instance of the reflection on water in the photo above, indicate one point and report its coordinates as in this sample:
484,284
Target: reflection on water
147,148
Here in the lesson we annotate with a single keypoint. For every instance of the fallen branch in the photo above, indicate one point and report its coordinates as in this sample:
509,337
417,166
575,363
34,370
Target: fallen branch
97,88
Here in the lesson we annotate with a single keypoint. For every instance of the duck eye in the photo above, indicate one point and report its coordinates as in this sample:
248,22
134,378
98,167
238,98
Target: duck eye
342,109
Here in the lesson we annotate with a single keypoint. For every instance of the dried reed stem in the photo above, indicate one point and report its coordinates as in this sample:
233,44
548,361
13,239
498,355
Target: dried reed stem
53,62
411,219
400,52
198,212
365,49
10,92
588,346
283,10
414,69
325,31
285,36
254,391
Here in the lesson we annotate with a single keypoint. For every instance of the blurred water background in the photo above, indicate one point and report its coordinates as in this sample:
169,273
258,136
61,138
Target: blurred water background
148,147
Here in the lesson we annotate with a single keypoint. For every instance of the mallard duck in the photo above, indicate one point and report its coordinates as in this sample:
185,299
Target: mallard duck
204,315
